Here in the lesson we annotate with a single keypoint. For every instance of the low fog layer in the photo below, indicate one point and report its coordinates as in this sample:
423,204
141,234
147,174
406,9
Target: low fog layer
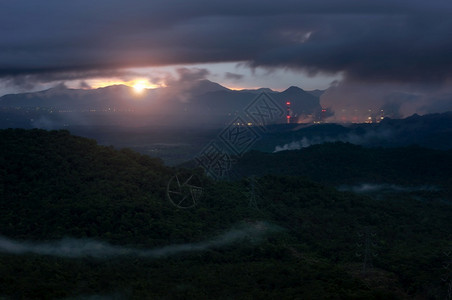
353,138
381,188
75,248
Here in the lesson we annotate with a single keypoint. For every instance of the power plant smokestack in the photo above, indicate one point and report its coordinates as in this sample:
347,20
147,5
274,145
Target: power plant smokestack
288,112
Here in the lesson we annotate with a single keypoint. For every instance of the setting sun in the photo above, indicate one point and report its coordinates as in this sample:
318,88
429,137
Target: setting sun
139,86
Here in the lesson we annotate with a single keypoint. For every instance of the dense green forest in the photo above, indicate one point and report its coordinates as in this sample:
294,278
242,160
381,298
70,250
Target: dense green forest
345,163
303,238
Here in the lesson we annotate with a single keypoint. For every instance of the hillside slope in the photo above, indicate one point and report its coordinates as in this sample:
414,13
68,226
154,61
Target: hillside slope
345,163
267,237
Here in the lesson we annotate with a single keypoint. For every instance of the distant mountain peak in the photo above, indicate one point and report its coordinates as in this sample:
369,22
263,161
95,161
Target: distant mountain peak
206,86
257,91
55,89
292,89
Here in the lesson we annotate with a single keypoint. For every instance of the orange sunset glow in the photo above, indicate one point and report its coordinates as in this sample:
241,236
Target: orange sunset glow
138,85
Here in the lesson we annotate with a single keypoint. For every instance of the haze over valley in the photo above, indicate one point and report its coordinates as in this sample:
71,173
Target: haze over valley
226,150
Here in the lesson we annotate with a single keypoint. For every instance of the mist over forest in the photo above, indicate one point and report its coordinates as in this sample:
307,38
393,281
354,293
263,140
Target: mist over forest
182,216
226,150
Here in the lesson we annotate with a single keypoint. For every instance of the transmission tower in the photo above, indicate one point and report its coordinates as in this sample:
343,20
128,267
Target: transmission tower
254,193
447,278
366,249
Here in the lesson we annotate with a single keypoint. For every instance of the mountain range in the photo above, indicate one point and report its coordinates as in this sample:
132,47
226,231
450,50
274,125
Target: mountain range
201,102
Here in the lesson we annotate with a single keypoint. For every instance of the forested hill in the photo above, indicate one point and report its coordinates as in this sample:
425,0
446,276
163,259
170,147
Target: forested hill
52,183
345,163
79,220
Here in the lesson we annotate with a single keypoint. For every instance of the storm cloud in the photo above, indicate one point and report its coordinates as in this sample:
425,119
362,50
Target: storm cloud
233,76
366,40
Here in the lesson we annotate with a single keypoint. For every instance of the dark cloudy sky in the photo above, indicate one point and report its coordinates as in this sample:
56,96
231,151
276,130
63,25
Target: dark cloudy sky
371,53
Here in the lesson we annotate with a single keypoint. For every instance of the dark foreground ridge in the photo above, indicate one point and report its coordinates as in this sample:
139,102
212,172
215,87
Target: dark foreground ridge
323,243
345,163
